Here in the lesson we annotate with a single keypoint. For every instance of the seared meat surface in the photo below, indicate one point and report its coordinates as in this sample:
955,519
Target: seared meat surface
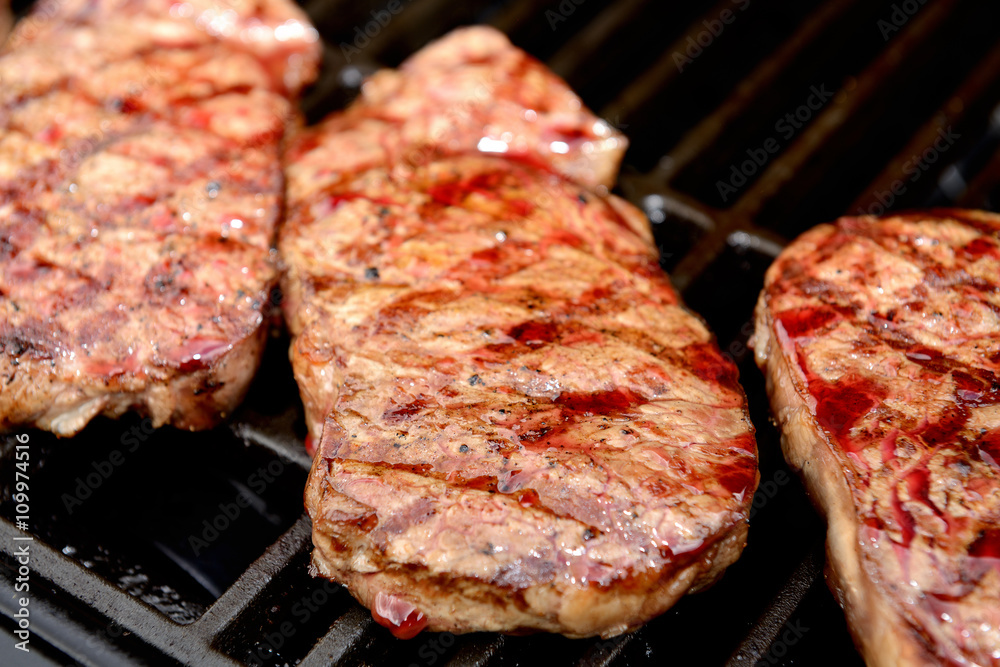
140,186
518,425
881,343
469,91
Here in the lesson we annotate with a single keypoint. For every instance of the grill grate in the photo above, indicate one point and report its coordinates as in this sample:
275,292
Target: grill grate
701,90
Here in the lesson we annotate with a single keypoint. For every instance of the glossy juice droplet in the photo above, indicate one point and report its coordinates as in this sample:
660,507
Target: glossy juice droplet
400,617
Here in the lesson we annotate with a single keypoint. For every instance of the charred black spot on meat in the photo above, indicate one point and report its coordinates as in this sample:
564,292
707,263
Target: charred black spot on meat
209,386
13,346
160,282
21,343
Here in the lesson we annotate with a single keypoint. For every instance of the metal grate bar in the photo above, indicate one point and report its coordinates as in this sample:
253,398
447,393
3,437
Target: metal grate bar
681,204
661,73
707,132
516,13
479,652
818,136
767,628
320,10
760,240
344,636
419,19
111,602
969,99
587,41
274,436
67,634
243,592
146,623
847,106
978,191
609,652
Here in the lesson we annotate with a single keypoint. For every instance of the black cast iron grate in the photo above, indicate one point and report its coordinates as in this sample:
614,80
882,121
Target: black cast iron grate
750,122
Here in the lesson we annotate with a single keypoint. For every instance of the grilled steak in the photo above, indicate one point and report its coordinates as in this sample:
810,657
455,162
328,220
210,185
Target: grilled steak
140,185
881,343
520,427
468,91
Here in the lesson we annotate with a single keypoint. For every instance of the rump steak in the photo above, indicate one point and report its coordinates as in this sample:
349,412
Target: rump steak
880,339
140,187
519,426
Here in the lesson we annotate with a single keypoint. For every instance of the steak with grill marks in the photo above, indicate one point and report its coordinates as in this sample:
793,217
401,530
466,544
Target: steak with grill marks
470,90
880,339
140,186
519,427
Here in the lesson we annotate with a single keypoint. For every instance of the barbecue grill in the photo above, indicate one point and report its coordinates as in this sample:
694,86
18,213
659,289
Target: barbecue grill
749,122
